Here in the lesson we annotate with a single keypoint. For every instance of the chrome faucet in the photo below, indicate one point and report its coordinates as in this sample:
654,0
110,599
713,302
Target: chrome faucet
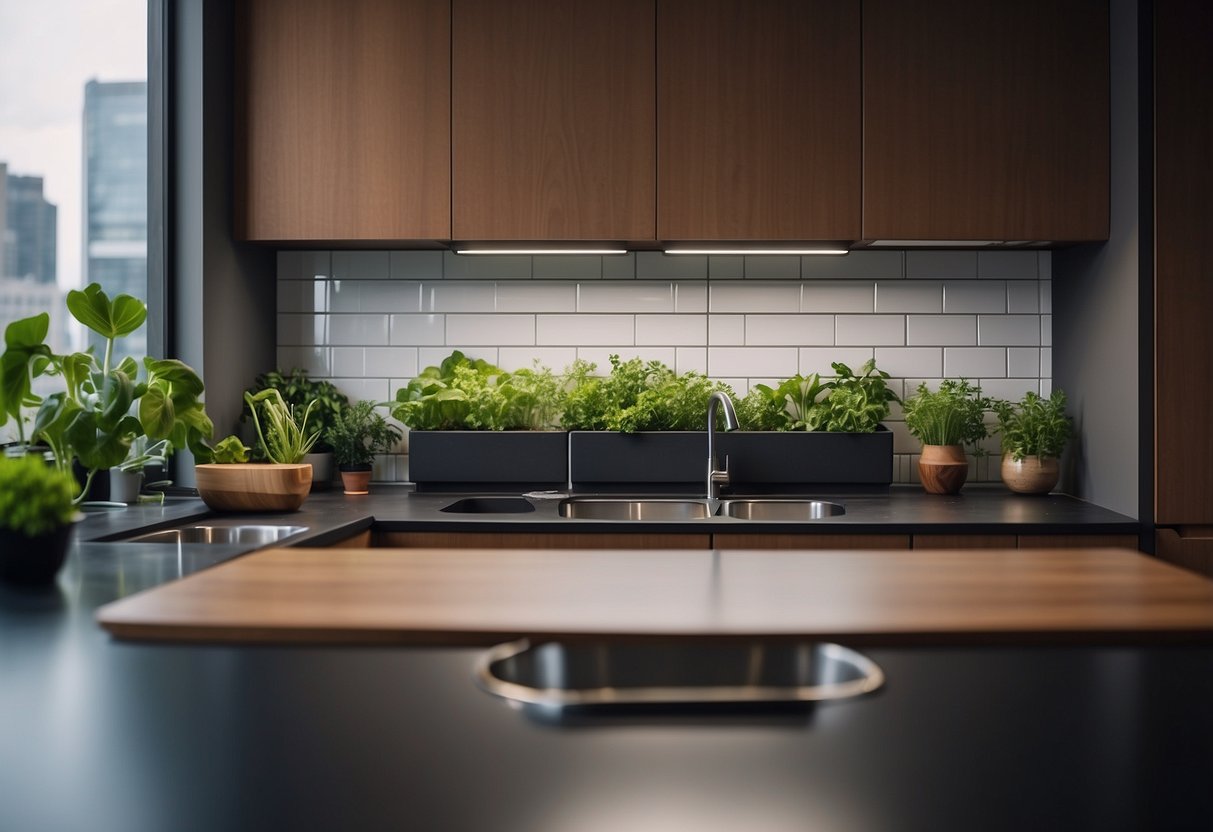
717,478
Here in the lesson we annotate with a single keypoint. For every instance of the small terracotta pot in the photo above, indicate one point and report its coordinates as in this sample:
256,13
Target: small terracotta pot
1030,475
356,480
943,469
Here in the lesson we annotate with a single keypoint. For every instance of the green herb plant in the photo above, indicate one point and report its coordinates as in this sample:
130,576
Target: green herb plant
35,498
636,395
1034,426
359,433
952,415
299,390
227,451
284,440
847,403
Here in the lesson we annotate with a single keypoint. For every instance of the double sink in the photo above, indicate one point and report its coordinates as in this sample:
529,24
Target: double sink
646,509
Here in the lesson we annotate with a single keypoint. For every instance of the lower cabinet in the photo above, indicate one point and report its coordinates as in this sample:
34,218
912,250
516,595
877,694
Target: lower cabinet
531,540
1190,547
811,541
1025,541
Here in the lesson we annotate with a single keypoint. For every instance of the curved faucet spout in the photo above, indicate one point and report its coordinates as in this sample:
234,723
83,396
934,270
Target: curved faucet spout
718,477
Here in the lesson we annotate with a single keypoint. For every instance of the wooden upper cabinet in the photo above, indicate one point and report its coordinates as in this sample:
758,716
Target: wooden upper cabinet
985,120
343,120
553,127
758,120
1183,266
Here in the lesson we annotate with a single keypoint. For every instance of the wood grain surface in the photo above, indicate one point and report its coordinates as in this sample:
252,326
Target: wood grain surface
427,596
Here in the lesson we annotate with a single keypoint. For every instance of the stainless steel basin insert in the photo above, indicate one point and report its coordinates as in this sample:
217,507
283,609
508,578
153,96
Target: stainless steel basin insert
773,509
654,508
606,673
261,535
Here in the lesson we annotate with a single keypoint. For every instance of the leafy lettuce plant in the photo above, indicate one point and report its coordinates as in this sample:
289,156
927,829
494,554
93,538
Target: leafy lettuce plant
848,403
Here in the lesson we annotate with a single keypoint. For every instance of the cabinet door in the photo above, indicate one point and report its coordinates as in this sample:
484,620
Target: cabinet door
1183,263
343,120
553,120
985,120
741,540
758,120
534,540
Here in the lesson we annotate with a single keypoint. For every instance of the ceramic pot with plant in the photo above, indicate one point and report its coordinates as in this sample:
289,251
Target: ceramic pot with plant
229,483
299,391
357,434
36,512
945,421
1034,431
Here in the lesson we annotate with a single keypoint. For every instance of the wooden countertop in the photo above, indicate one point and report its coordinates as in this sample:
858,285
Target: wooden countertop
424,596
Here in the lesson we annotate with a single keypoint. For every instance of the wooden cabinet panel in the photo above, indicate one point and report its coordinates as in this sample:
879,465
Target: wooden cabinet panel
1183,263
343,120
1077,541
964,541
553,125
985,120
758,120
1190,548
532,540
810,541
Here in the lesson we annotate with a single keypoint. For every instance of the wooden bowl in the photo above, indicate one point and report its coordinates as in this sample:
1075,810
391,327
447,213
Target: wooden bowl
251,486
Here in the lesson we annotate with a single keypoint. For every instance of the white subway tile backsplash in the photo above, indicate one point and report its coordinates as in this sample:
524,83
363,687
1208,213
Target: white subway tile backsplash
870,330
941,330
672,330
418,330
1010,265
656,265
1046,330
485,266
974,296
974,362
585,330
440,296
837,296
313,359
818,359
371,389
774,362
941,264
601,356
566,266
523,358
367,330
726,267
726,330
790,330
772,266
1023,296
389,296
691,296
350,361
1046,362
490,330
903,441
910,361
625,296
1046,296
361,265
860,265
415,265
1008,330
304,265
1008,388
433,356
345,295
395,362
688,359
1023,362
528,296
909,296
741,296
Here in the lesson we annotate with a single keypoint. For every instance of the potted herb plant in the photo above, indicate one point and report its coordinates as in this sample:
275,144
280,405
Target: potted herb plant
228,483
126,478
1034,431
298,391
472,424
36,512
945,421
357,434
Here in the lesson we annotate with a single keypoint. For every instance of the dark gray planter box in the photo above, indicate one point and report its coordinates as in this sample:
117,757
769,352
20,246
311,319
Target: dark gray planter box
759,461
462,460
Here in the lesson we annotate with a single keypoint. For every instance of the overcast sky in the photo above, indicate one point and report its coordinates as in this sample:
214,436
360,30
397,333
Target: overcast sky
48,50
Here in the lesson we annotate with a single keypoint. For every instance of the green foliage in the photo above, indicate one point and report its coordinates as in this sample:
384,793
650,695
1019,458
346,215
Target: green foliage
359,433
35,498
673,403
284,440
1034,426
471,394
298,391
226,451
953,415
25,357
848,403
613,402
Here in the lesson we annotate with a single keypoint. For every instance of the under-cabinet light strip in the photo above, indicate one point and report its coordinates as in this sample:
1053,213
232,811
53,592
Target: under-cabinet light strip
756,251
541,251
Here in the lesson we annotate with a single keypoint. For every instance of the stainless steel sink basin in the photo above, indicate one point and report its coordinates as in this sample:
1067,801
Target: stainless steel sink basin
650,508
610,674
773,509
489,505
260,535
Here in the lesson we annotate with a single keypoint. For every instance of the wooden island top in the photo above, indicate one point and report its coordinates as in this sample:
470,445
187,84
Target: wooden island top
469,597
